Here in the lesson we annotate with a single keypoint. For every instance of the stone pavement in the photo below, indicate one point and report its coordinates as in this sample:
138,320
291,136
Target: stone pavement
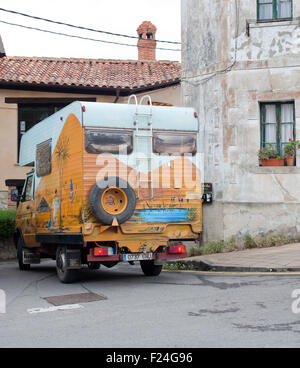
275,259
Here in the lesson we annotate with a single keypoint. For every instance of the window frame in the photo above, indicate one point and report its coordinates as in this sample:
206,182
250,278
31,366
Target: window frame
278,105
23,198
109,130
177,132
275,12
49,143
35,110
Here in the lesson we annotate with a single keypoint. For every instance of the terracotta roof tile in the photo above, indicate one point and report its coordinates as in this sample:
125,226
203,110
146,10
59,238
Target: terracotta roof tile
89,73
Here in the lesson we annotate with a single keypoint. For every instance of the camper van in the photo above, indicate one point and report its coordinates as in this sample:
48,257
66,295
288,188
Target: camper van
110,183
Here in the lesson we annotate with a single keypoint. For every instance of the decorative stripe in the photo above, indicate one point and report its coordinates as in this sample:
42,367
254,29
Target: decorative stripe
164,215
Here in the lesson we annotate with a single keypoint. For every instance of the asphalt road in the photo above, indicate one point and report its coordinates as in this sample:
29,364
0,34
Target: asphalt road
174,310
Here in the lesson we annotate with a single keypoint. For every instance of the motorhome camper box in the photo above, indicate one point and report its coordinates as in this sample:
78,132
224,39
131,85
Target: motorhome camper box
110,183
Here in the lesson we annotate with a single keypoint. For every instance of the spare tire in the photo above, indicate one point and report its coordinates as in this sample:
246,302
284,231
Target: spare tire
112,198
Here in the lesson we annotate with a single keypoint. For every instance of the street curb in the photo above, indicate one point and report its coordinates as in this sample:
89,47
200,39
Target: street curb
206,266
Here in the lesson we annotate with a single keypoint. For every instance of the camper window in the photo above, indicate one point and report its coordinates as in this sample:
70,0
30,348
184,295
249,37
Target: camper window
28,189
175,144
43,158
109,141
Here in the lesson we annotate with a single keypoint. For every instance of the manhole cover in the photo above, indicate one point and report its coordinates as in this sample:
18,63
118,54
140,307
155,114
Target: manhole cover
74,299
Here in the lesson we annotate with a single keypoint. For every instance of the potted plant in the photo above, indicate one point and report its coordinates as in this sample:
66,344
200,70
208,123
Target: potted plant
269,157
290,152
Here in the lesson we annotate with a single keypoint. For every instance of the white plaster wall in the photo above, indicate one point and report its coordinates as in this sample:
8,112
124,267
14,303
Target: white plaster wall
266,42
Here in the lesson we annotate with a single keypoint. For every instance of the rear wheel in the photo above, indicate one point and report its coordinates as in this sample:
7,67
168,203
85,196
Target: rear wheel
22,266
150,269
65,276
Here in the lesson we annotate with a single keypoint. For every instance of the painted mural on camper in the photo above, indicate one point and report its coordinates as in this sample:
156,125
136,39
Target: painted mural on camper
58,196
169,202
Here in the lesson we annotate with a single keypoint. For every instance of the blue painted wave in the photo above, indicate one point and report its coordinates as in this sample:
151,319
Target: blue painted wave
164,215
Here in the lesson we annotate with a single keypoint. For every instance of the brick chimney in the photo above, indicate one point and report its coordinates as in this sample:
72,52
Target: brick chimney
2,50
146,43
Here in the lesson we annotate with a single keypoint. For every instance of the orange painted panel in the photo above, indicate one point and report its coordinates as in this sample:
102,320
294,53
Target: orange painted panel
58,197
172,193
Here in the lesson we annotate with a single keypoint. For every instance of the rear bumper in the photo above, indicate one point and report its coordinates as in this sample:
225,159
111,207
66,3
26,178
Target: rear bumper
166,256
120,258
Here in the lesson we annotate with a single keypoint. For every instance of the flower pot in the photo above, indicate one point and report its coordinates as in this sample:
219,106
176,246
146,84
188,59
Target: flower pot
290,160
273,162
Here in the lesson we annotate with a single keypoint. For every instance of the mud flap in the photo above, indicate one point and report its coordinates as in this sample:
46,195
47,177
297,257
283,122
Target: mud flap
73,259
159,262
30,257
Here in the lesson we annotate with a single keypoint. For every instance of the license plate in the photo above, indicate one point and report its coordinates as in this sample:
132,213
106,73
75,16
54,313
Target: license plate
137,257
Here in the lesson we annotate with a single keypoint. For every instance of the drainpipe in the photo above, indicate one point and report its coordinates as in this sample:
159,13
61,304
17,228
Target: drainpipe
117,95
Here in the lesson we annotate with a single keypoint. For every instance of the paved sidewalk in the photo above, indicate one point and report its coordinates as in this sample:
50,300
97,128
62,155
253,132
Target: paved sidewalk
275,259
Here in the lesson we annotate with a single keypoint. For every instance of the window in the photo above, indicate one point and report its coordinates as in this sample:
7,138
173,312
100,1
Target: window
277,124
175,144
274,9
28,193
43,158
109,141
29,115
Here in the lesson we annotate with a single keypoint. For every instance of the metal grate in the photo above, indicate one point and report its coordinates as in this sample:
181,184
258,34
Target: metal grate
74,299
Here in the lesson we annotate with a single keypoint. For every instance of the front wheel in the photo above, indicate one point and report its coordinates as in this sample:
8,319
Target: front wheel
150,269
22,266
65,276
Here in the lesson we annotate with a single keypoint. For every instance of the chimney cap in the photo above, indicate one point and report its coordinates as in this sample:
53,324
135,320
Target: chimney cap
147,27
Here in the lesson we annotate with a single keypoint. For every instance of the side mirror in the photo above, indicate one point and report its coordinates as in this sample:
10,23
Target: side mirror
14,195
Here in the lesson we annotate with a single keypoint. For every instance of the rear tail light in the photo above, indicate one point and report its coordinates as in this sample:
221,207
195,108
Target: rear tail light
103,252
176,249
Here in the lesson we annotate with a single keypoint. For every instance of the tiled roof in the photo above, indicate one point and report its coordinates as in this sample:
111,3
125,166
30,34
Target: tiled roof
88,73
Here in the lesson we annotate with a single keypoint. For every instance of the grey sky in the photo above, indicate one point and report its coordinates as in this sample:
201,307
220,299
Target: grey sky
117,16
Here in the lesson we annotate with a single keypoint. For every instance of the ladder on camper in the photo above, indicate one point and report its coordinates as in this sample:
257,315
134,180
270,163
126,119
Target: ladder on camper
143,139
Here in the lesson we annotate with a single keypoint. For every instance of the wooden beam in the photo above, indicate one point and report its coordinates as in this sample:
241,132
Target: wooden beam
48,100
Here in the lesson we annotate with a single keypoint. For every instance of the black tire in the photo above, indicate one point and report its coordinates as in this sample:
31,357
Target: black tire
20,247
150,269
65,276
95,201
94,265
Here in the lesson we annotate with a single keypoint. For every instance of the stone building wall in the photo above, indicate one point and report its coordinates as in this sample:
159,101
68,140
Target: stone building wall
3,200
232,63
